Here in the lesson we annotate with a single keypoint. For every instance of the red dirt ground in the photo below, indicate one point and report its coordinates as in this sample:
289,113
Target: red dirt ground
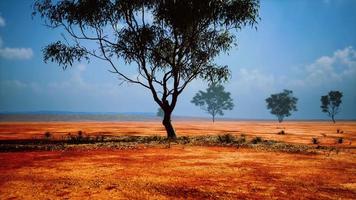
181,172
176,173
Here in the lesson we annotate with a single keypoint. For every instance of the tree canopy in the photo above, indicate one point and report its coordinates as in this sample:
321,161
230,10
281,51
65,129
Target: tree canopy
330,103
282,104
214,101
169,42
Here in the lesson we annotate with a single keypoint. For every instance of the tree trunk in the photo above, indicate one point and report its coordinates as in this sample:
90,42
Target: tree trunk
280,119
213,118
171,134
332,117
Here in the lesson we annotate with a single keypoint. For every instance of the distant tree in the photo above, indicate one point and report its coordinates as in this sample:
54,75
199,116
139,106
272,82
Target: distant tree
330,103
160,112
169,43
282,104
214,101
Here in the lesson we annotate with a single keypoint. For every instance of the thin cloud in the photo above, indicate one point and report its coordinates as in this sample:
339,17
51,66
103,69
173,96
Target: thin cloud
2,21
16,53
339,66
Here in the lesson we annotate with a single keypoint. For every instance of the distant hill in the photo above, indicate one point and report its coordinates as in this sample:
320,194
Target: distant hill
53,116
75,116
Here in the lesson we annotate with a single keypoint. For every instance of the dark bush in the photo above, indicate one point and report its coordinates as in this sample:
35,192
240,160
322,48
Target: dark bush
340,140
226,138
80,135
47,135
281,132
315,140
242,139
256,140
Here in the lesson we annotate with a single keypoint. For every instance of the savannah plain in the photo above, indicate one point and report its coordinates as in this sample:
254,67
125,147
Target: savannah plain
222,169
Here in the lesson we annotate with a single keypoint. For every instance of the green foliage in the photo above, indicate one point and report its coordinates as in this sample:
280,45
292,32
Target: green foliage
330,103
64,55
282,104
214,101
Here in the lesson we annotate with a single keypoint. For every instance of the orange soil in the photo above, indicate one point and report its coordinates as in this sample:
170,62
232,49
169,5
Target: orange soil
181,172
296,131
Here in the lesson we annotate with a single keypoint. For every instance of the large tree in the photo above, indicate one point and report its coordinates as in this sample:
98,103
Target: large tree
169,42
214,101
282,104
330,103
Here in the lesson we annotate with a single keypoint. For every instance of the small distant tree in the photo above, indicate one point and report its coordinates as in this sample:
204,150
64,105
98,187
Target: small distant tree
330,103
160,112
282,104
214,101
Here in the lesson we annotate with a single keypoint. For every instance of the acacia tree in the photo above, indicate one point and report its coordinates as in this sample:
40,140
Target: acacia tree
282,104
168,42
214,101
330,103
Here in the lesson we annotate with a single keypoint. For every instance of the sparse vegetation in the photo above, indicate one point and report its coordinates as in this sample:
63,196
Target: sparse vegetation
340,140
124,142
315,140
281,132
226,138
256,140
47,135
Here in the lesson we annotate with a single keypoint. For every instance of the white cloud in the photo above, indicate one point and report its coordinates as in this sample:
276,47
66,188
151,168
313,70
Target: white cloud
13,53
2,21
16,53
326,69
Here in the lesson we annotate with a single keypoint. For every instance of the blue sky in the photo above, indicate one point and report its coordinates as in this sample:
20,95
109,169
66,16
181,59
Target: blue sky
306,46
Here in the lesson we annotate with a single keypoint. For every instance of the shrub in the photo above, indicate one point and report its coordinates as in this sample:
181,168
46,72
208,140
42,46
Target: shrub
99,138
47,135
315,141
256,140
80,134
340,140
281,132
242,139
226,138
